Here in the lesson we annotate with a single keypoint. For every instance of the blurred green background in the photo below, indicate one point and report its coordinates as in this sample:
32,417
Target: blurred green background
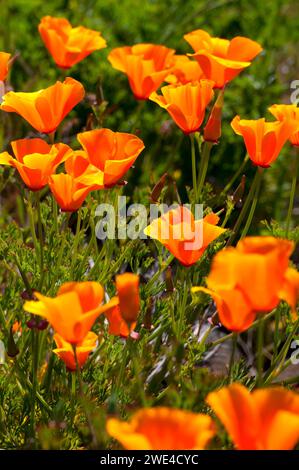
273,23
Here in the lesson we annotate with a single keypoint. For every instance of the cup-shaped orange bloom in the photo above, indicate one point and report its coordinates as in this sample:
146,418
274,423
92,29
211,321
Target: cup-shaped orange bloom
65,351
186,104
45,109
35,160
184,71
4,65
68,45
265,419
287,111
186,238
127,286
70,189
264,140
237,298
117,325
73,311
220,59
111,152
146,66
163,428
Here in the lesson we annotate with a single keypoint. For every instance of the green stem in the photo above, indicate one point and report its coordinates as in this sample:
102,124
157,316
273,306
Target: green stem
260,353
34,337
159,272
73,394
253,205
236,175
41,241
207,146
232,358
194,177
292,195
76,241
244,208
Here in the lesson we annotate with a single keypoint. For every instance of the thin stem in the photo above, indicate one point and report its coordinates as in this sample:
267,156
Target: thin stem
193,158
41,241
73,393
34,344
207,146
253,205
236,175
292,195
232,358
244,208
159,272
77,237
260,353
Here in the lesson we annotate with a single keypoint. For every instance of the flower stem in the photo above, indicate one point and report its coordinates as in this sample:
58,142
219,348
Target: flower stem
41,242
292,195
205,163
260,353
253,205
236,175
232,358
245,208
194,177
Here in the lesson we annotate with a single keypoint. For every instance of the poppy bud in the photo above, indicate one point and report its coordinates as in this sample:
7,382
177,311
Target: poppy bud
212,131
127,286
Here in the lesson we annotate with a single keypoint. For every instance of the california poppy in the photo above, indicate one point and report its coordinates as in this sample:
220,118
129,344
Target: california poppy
73,311
163,428
68,45
70,189
65,350
265,419
186,238
184,71
45,109
212,130
35,160
117,325
4,65
111,152
146,66
238,299
264,140
220,59
127,286
287,111
186,104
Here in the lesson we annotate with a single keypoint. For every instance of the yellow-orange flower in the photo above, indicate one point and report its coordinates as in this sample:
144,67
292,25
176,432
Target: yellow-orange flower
35,160
290,112
264,140
186,238
68,45
146,66
186,104
45,109
73,311
111,152
220,59
122,317
4,65
184,70
238,299
163,429
265,419
65,351
70,189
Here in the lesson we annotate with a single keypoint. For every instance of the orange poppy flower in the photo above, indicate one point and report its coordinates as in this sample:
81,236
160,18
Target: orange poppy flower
163,429
65,350
17,327
146,66
184,70
45,109
73,311
221,60
265,419
70,189
212,130
237,298
287,111
186,104
4,65
68,45
127,286
186,238
264,140
117,325
111,152
35,160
